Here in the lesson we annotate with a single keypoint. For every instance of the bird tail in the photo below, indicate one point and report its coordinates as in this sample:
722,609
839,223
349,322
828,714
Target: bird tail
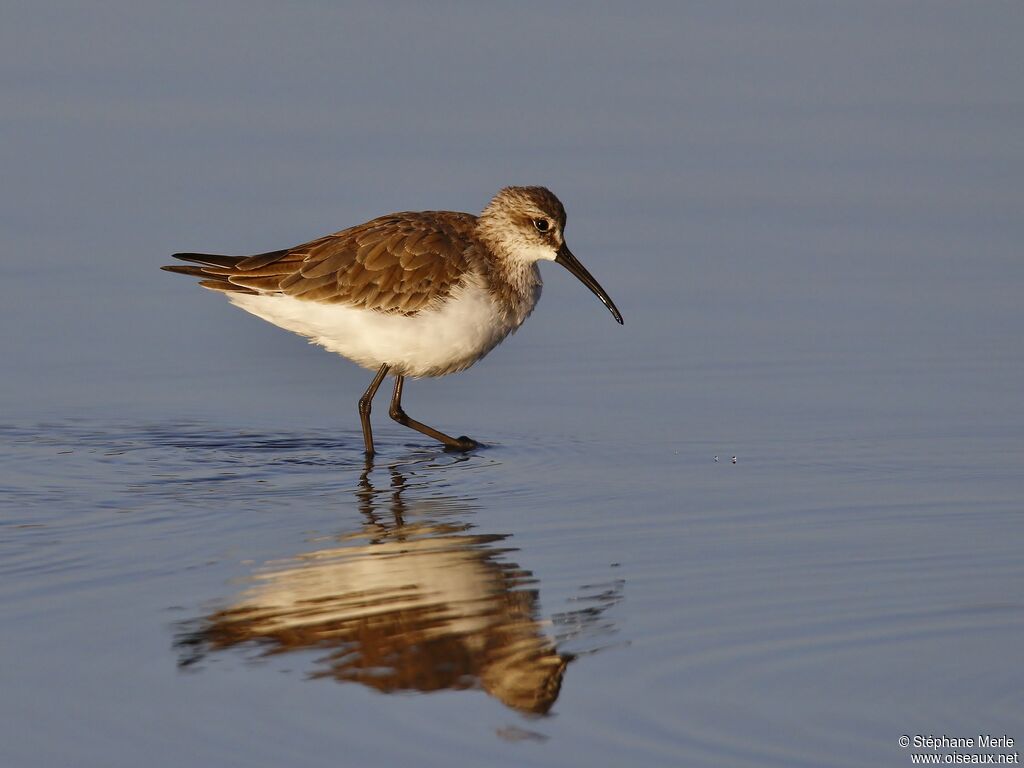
216,270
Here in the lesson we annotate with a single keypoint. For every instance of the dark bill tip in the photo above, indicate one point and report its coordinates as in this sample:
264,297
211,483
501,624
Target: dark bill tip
571,263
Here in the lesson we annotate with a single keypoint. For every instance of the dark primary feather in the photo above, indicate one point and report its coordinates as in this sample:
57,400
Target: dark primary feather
396,263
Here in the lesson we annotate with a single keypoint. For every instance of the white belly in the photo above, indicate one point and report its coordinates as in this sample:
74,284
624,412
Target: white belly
450,338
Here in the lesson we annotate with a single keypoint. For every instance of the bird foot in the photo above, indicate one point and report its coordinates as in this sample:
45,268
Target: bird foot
463,444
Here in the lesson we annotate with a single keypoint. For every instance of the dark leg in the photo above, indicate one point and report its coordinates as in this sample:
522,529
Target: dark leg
457,444
364,407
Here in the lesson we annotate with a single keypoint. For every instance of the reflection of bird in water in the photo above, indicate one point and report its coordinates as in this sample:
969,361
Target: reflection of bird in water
412,602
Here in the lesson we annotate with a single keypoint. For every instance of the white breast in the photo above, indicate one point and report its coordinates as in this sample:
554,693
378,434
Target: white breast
445,339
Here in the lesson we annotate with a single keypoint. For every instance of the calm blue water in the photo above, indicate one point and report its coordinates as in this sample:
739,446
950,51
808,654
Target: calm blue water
810,217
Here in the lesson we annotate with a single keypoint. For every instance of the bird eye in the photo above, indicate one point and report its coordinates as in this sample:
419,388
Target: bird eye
541,225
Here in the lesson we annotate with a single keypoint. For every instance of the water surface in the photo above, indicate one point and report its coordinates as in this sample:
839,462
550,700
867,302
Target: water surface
810,216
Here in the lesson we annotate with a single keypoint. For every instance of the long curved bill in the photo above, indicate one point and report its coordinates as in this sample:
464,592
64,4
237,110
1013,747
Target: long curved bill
570,262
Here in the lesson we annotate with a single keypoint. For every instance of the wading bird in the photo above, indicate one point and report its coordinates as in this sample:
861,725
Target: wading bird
411,294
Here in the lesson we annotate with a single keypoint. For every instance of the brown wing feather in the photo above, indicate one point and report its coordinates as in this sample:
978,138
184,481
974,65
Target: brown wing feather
398,263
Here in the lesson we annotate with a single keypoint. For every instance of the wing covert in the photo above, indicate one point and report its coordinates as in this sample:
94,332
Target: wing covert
397,263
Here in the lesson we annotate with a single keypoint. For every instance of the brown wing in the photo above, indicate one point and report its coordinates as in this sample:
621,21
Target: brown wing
396,263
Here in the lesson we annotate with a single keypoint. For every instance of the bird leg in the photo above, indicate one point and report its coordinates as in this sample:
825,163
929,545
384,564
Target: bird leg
364,407
456,444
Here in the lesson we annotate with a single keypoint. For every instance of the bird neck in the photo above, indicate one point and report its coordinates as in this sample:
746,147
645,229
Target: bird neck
511,274
516,286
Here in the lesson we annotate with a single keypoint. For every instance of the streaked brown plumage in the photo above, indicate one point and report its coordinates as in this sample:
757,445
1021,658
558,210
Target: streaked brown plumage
396,263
